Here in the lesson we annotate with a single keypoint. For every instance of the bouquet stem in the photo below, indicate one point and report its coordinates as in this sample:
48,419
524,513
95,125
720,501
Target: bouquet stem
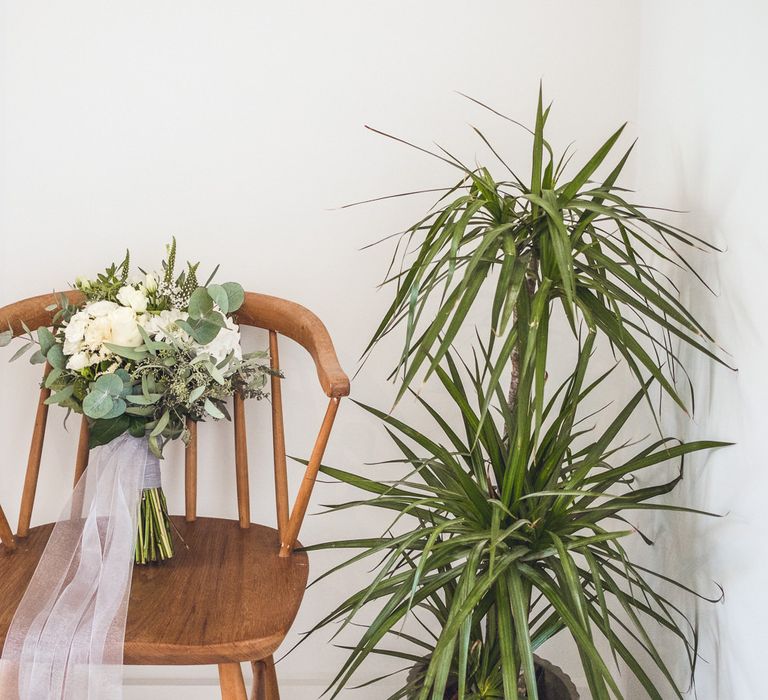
153,539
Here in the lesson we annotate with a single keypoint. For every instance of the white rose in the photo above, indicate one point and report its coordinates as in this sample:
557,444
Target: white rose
133,298
227,340
78,361
74,332
75,329
98,332
71,348
100,308
124,328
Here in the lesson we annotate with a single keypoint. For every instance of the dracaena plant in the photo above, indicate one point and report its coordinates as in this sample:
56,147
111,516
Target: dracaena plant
512,515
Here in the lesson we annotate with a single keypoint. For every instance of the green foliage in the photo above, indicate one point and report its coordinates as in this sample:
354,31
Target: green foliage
152,388
581,244
512,529
513,539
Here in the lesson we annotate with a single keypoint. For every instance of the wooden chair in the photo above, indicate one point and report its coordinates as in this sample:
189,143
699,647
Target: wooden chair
232,596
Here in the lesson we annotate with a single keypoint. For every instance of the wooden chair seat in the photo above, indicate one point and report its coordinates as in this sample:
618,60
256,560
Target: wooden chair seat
226,597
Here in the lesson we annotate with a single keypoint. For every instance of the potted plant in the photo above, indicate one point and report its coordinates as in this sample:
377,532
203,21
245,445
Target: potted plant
512,513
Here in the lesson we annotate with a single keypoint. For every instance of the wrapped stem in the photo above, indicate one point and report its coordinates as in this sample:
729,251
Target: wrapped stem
154,542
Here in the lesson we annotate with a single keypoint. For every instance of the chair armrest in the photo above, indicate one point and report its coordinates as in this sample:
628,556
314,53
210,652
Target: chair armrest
33,312
300,324
286,317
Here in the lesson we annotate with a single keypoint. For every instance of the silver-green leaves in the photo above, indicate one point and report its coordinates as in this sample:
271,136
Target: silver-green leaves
140,352
207,308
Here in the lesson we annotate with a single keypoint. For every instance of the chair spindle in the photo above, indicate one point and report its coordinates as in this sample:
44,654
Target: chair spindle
190,473
278,439
83,451
241,464
288,541
35,457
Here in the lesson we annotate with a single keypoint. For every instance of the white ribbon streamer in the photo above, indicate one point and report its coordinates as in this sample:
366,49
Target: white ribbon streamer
66,639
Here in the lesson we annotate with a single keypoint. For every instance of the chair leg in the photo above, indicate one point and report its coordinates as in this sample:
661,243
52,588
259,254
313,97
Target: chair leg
265,680
231,682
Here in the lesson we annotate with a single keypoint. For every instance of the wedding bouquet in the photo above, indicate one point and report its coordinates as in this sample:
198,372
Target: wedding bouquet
142,355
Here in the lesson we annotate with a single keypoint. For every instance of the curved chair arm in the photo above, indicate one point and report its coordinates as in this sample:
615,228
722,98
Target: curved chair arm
6,534
286,317
34,312
300,324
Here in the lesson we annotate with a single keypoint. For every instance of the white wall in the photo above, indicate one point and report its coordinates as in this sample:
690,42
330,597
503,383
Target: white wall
238,127
703,111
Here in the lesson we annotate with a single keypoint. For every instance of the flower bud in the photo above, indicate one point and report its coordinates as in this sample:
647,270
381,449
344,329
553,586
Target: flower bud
150,283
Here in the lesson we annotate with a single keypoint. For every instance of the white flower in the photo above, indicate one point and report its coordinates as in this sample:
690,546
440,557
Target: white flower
98,332
133,298
124,328
150,282
72,348
119,326
100,308
78,361
163,326
227,340
75,331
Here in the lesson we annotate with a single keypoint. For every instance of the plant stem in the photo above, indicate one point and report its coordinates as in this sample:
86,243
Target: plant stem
530,288
154,542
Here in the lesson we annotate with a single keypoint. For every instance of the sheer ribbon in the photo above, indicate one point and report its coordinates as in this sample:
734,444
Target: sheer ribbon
66,639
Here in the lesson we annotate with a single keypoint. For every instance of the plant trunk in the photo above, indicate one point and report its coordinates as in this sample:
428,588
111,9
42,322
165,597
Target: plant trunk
514,383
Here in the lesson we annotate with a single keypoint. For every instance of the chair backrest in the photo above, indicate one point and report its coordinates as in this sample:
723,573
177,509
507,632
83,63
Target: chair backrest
279,317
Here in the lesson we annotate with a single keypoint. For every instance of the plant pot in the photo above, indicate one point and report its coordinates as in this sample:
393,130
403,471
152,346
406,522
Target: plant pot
552,682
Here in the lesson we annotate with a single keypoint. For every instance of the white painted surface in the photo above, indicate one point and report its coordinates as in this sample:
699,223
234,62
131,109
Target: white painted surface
703,110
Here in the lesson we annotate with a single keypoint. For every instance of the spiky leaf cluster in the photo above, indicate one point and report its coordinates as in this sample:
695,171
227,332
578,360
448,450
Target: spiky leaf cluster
513,528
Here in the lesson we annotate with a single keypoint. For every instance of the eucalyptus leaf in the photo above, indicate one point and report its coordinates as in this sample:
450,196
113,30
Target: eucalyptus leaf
137,354
143,399
118,409
219,296
46,339
235,296
200,303
212,410
203,331
110,383
37,358
102,432
52,378
196,393
61,396
162,424
56,358
97,404
20,352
